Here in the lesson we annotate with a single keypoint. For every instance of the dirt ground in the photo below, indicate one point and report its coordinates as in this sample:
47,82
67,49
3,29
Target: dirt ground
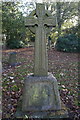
64,66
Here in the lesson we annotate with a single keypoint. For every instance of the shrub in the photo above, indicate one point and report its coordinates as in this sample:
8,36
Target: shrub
68,43
15,44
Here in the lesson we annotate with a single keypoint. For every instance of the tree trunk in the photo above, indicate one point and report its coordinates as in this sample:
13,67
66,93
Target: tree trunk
58,6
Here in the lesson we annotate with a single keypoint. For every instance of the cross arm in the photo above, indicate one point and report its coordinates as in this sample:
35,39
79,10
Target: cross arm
30,21
50,21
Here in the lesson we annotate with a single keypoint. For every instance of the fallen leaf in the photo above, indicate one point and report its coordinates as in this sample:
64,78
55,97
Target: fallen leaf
11,78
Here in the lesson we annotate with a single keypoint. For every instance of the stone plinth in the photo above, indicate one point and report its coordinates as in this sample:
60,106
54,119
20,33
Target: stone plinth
40,94
41,98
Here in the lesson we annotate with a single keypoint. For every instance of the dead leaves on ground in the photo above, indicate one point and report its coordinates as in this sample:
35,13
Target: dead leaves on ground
64,67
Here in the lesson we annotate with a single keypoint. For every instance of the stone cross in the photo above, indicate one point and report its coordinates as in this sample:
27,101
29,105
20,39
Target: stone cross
40,22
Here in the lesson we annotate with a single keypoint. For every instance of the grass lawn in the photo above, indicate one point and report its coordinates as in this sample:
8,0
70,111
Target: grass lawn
64,67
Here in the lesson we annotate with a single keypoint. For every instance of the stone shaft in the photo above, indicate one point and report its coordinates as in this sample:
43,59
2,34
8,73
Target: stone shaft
40,22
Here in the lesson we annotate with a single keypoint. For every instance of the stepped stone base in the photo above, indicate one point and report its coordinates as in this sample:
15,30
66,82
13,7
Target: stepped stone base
41,99
42,114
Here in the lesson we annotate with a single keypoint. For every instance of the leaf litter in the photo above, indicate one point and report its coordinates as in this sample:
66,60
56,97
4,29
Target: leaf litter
64,67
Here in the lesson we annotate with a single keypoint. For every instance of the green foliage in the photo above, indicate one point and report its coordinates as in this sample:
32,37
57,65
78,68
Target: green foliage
13,25
17,35
53,37
30,36
15,44
68,43
13,21
65,11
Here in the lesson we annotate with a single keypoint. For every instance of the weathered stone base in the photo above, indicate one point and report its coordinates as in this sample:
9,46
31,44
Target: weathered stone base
41,99
42,114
